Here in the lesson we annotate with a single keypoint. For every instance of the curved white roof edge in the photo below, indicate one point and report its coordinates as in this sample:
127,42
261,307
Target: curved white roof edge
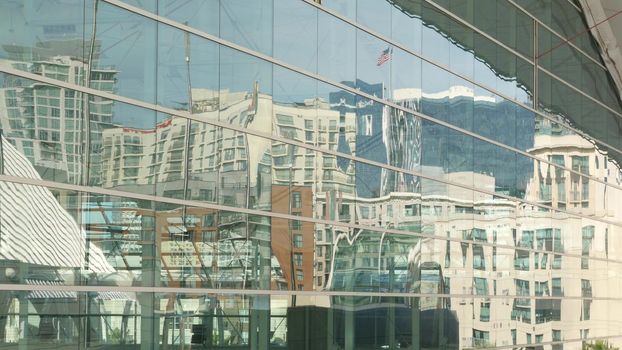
608,33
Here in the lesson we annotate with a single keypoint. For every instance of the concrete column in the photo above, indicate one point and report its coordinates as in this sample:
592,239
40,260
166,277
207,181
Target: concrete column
150,265
330,331
349,329
390,325
23,321
259,334
416,324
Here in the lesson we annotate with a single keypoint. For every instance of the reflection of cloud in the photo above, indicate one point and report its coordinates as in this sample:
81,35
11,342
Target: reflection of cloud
35,228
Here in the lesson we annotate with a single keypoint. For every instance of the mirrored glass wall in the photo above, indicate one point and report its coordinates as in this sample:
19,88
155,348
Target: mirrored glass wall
290,174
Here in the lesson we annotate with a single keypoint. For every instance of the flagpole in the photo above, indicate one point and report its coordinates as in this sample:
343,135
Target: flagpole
391,94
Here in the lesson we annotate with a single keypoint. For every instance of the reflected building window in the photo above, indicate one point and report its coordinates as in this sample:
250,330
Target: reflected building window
586,292
298,240
587,235
556,336
479,260
298,259
481,339
521,309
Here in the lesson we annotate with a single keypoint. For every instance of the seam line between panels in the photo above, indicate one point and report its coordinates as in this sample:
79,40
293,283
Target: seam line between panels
187,115
201,290
207,205
335,84
459,75
567,40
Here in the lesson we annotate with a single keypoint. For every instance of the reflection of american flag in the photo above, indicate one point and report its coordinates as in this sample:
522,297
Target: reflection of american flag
384,56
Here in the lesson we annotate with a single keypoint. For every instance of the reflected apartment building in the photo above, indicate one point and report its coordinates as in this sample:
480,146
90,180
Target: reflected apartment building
304,210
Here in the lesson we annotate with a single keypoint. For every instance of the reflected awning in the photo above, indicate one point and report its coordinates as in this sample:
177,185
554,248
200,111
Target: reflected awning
114,296
49,294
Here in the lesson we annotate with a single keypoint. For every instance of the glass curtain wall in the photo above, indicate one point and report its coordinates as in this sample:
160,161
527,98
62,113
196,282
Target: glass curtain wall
297,174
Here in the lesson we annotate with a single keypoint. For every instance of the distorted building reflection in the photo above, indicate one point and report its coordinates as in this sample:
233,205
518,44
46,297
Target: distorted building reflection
326,220
215,249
